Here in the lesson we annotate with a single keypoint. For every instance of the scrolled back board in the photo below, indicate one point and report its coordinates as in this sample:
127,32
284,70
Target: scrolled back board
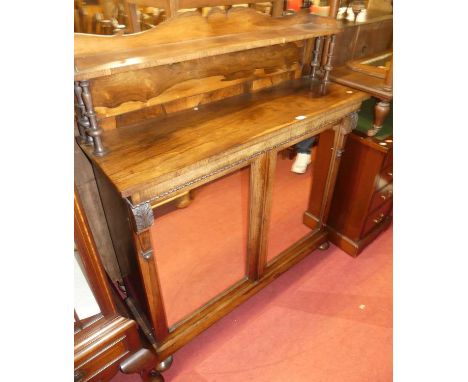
133,95
191,36
191,60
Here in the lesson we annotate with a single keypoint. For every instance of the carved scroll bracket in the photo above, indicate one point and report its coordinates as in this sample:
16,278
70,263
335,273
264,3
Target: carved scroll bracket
348,124
143,217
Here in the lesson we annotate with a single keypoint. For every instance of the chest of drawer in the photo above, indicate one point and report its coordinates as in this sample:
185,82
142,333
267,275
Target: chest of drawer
376,217
381,196
384,178
388,161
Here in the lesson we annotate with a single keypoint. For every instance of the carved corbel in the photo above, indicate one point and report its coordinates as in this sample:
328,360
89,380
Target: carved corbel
348,123
143,217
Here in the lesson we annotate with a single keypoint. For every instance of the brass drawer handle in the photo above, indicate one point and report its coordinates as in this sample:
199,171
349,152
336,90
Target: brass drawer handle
379,219
390,173
384,197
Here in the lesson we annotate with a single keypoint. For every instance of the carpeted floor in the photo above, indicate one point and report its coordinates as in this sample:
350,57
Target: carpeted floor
327,319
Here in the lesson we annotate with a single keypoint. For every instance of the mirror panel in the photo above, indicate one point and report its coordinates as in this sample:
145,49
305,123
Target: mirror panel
290,198
200,245
86,307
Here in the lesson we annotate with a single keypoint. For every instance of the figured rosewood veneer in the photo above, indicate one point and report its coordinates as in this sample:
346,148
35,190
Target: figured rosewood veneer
190,36
181,143
235,99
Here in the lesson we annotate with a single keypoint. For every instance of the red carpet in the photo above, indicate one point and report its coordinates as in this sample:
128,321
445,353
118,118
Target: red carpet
327,319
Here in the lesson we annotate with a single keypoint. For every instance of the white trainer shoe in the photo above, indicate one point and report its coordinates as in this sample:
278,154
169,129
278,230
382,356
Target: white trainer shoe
300,163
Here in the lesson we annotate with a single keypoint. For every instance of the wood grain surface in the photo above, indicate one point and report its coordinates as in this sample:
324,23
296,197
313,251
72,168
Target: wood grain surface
169,88
191,36
158,150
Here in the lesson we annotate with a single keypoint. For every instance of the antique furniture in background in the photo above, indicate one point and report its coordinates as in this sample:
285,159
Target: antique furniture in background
364,59
171,7
206,105
134,23
104,341
99,16
362,202
371,34
373,75
131,16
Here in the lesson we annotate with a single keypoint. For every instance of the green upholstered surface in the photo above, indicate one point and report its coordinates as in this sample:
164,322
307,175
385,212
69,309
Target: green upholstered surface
366,119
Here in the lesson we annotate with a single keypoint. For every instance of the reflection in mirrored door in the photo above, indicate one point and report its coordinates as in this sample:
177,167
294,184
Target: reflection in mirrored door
86,308
200,243
92,295
290,198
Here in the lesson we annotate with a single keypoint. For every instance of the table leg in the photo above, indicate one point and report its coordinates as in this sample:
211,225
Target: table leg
381,110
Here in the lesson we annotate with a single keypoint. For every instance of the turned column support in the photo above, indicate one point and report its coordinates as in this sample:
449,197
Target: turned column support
333,13
316,57
94,130
81,118
328,65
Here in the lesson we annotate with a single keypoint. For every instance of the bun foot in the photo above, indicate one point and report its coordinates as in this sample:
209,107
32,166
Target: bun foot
164,365
324,246
154,376
142,362
182,202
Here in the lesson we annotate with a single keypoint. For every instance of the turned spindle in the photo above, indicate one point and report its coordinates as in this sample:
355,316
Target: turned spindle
94,130
328,66
82,119
316,57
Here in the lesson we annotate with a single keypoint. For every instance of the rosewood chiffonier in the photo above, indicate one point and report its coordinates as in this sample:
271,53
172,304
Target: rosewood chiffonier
184,125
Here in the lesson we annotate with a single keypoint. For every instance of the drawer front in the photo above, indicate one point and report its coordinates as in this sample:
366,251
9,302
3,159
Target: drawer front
388,161
384,178
376,217
381,196
93,368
